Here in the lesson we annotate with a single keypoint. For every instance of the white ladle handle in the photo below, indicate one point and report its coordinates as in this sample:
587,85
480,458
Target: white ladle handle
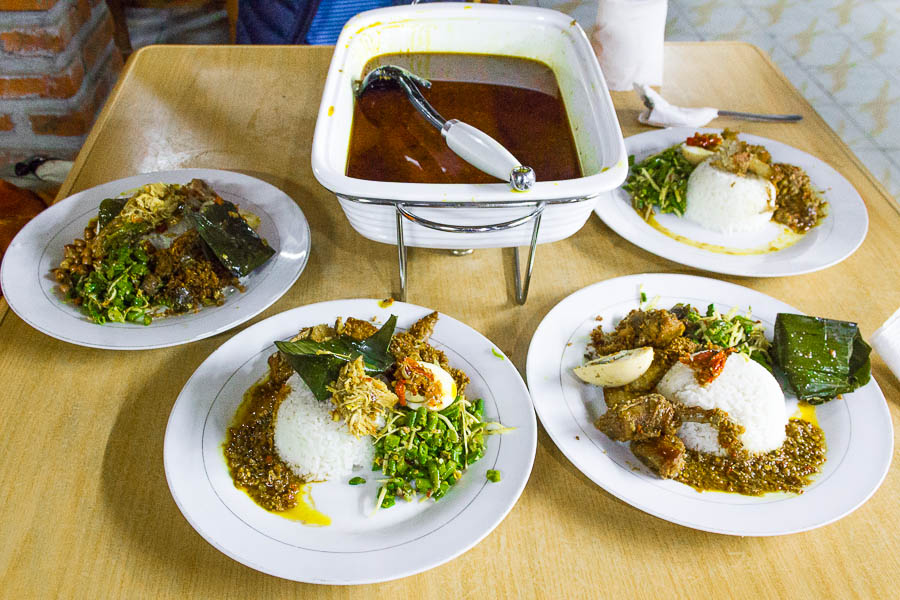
485,153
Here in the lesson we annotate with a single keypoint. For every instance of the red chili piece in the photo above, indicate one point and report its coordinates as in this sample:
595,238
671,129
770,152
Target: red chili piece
707,141
707,365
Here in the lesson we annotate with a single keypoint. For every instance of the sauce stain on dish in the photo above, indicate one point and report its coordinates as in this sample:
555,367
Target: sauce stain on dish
785,239
806,412
386,302
305,510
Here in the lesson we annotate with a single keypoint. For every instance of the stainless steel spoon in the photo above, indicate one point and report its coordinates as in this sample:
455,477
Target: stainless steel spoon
470,143
742,115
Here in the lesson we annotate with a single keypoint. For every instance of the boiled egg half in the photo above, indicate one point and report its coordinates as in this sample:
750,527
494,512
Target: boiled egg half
616,369
446,393
695,154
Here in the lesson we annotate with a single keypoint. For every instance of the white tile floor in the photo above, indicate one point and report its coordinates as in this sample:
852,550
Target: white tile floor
843,56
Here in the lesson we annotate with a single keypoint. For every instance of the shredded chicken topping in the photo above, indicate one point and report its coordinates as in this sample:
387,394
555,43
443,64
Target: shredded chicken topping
360,399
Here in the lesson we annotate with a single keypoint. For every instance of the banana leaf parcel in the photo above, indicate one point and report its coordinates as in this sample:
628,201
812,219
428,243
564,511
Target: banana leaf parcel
820,357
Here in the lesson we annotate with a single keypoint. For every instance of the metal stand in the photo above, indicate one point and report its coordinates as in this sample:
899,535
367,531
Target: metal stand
521,285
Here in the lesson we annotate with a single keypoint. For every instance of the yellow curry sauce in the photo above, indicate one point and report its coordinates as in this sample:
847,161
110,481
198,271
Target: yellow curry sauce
785,239
254,464
305,510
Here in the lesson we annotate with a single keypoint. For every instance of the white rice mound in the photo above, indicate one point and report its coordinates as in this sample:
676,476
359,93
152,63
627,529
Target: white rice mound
313,445
722,201
745,390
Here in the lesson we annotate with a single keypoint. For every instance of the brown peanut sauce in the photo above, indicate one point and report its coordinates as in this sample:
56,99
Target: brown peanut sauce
786,469
250,449
391,141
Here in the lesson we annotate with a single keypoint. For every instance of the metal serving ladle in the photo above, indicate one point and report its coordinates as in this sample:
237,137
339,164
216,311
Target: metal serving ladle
470,143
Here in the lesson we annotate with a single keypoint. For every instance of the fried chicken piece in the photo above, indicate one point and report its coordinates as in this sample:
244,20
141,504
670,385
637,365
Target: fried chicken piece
651,415
316,333
407,343
650,422
643,418
741,158
655,328
196,192
664,455
354,328
414,344
357,329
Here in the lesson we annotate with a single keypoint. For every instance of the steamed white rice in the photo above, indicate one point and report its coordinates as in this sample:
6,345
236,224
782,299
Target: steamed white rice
313,445
725,202
745,390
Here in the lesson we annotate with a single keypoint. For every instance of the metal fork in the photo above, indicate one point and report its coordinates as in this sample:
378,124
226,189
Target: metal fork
742,115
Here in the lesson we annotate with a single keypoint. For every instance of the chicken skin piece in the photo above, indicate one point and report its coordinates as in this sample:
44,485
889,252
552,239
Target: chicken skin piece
664,455
639,328
643,418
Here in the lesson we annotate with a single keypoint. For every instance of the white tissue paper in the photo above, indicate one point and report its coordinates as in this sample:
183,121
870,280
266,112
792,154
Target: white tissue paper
628,41
664,114
886,342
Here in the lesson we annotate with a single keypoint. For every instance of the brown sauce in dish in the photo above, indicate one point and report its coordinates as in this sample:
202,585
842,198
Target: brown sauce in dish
391,141
787,469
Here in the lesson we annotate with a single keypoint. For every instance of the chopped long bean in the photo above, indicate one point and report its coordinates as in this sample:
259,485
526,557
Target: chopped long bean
424,453
659,180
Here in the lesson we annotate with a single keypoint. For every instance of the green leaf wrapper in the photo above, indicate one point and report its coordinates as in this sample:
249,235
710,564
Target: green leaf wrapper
821,357
319,363
235,244
109,208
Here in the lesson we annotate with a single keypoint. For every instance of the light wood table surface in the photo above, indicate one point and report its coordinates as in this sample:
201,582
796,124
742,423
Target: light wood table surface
86,509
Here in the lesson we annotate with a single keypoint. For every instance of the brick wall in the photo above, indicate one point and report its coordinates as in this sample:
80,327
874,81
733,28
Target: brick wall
58,63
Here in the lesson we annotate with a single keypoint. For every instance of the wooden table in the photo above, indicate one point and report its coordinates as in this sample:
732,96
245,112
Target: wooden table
87,512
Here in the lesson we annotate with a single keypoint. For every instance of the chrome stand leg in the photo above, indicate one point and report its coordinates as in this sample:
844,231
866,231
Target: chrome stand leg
401,254
522,287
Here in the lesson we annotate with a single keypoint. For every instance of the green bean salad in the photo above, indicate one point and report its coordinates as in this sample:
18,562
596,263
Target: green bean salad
423,453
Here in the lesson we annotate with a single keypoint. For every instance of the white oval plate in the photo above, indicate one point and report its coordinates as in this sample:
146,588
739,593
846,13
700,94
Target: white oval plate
356,548
858,430
838,236
30,289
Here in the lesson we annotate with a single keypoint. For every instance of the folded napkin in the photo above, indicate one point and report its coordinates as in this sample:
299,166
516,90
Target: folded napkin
886,342
664,114
628,40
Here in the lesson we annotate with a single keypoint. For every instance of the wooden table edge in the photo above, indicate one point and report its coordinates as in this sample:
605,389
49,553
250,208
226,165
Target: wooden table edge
66,188
127,70
88,146
879,187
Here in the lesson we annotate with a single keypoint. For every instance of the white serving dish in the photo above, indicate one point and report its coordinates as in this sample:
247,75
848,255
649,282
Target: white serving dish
544,35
